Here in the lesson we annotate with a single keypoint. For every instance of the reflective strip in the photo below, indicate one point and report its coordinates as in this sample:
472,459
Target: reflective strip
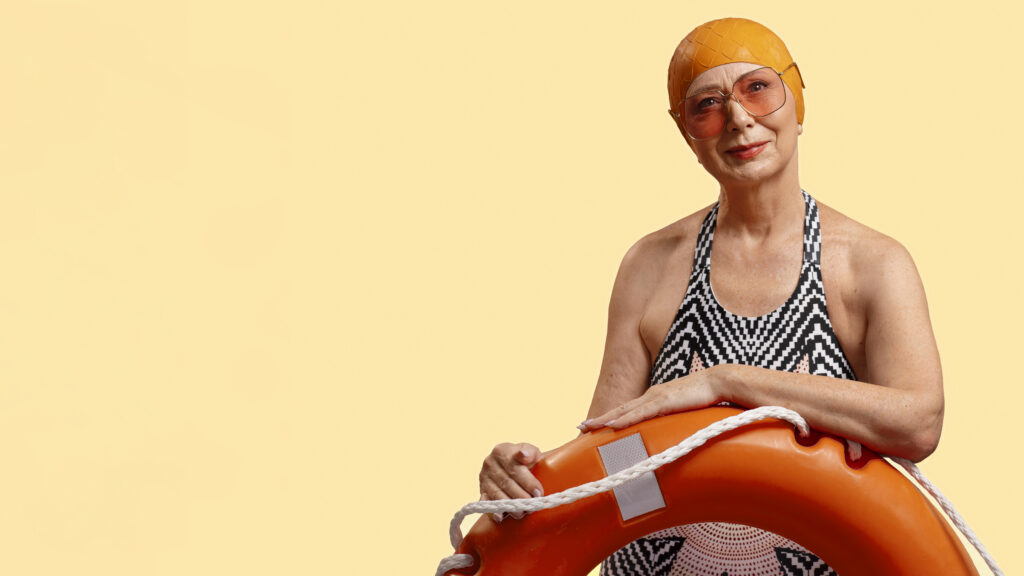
641,494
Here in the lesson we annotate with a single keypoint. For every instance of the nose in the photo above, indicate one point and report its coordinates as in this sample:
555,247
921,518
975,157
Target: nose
737,116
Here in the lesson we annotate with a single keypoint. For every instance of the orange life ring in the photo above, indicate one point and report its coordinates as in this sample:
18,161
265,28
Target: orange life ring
862,518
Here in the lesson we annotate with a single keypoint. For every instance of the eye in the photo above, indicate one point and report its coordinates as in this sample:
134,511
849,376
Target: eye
708,102
757,86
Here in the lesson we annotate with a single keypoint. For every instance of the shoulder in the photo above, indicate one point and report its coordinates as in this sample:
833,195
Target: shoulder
863,247
656,254
650,253
862,259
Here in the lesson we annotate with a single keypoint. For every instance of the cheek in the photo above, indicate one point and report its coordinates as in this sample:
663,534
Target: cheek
702,152
786,131
789,138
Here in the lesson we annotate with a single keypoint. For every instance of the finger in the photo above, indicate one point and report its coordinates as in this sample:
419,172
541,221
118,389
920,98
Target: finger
491,491
609,416
527,455
525,479
496,516
517,486
509,483
507,488
644,411
601,421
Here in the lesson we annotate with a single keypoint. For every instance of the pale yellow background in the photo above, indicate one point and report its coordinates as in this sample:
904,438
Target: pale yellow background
275,276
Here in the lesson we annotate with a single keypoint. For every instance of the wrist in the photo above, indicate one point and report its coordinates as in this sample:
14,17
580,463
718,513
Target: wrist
720,383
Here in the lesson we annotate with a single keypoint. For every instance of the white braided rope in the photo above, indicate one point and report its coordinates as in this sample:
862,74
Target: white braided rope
453,562
950,511
696,440
609,482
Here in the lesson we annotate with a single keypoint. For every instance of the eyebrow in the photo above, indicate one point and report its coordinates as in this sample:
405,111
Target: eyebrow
705,88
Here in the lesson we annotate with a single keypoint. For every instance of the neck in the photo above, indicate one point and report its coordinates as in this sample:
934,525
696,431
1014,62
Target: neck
763,207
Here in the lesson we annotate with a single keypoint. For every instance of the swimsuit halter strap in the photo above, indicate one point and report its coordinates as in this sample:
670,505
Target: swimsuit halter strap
702,255
812,231
812,236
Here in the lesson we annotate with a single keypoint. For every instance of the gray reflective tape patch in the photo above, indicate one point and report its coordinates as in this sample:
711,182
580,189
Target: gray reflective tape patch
641,494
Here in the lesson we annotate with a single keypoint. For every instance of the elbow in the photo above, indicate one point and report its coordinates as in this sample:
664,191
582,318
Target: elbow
923,439
922,445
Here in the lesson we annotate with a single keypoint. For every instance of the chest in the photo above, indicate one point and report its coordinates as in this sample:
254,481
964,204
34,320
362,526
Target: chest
753,280
752,283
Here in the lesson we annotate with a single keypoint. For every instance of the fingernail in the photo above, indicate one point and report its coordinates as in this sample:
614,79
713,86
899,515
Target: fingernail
582,426
537,493
517,515
523,454
609,423
497,517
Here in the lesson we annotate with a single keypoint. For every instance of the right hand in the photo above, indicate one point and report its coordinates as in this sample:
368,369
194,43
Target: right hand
506,474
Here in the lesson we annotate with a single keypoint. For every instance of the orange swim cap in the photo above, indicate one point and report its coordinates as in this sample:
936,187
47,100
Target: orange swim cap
726,41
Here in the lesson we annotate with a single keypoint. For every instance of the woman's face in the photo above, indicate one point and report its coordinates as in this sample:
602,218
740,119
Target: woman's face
749,149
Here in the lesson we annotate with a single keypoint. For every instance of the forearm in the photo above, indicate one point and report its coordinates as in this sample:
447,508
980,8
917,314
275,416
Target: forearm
897,421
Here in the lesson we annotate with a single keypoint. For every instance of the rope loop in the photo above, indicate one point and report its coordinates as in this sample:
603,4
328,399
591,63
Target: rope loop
454,562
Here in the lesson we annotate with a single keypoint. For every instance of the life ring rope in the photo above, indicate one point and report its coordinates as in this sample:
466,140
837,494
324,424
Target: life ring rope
457,561
947,507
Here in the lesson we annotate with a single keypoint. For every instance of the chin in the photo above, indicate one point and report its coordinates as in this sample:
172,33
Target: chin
766,166
748,173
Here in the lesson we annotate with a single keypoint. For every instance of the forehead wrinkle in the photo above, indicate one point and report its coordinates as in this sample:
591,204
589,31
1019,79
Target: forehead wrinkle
708,88
737,68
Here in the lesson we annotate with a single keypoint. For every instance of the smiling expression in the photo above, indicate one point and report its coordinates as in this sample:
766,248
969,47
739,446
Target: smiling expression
749,149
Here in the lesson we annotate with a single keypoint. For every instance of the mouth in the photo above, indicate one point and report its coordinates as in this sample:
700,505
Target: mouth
747,151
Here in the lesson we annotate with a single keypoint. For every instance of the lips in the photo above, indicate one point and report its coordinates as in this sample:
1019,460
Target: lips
747,151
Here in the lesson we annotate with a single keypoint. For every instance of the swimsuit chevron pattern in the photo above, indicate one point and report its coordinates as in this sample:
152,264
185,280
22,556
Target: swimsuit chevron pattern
796,337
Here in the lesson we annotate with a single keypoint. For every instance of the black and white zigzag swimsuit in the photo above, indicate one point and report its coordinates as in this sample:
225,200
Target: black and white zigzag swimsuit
796,337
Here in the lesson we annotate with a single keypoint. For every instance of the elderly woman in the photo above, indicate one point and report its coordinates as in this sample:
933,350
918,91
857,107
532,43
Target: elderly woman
784,301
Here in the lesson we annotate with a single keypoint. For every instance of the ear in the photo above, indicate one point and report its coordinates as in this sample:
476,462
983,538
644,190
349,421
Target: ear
799,129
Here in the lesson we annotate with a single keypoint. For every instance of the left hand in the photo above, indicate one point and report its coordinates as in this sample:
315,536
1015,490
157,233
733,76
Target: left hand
690,392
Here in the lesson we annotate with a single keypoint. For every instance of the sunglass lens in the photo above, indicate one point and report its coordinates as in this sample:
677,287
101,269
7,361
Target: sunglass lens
704,114
760,92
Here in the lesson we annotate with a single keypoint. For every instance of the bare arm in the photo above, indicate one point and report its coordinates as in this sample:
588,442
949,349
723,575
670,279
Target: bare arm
898,413
506,470
626,364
